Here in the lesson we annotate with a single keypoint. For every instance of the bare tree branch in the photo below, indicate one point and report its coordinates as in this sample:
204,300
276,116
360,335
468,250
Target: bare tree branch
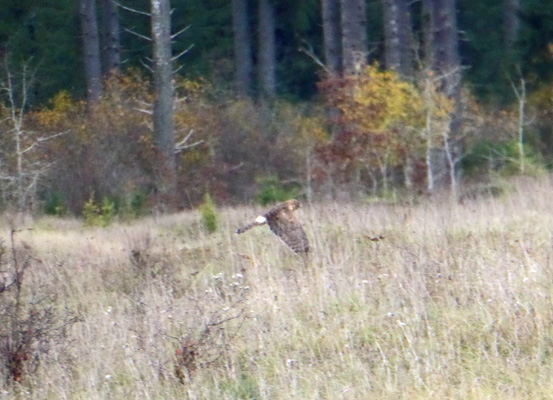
175,35
177,69
43,139
182,53
142,110
132,9
308,50
180,146
138,34
146,65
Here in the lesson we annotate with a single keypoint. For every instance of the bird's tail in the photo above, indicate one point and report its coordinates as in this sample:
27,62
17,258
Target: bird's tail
247,227
258,221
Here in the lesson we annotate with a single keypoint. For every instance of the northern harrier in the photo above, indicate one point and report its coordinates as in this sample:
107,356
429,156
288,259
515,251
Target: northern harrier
284,224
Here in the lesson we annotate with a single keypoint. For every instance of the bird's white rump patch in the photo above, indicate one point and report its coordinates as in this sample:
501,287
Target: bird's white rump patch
261,219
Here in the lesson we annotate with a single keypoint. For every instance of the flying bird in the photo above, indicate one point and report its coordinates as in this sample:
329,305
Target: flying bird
283,222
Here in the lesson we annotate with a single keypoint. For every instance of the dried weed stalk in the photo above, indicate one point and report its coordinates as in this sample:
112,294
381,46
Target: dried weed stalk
31,321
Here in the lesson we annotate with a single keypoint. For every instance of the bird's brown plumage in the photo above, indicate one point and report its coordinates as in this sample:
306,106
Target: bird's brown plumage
283,223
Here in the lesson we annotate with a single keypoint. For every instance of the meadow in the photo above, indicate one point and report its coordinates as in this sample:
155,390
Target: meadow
433,299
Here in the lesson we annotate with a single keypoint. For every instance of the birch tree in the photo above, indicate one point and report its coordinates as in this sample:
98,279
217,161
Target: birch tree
520,93
21,167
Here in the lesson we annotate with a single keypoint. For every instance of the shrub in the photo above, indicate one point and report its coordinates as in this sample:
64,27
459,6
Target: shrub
488,156
98,215
138,203
55,204
208,212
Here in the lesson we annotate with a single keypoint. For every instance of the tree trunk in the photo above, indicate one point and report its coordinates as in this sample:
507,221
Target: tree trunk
397,37
242,47
111,48
511,22
445,45
331,35
447,66
354,35
332,39
164,126
91,50
427,29
266,49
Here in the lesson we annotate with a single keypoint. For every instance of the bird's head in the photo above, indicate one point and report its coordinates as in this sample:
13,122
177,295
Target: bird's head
293,204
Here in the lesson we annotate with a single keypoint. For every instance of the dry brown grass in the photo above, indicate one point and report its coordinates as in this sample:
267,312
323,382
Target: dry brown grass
453,302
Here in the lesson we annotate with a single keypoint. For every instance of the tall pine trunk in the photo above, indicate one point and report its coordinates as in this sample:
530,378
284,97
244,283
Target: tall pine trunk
511,23
266,49
91,51
243,61
427,33
399,51
354,34
111,47
445,45
331,35
164,91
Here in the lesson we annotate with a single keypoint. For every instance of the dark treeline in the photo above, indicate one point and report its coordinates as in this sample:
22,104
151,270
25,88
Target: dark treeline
250,96
493,36
49,35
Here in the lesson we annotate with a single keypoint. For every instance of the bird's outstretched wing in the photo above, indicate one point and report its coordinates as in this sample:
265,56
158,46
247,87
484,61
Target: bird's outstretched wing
286,226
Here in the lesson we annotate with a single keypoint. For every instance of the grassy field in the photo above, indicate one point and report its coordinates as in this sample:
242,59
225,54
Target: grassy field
452,302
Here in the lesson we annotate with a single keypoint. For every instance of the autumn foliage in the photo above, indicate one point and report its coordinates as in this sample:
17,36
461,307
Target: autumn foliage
228,147
378,122
373,132
107,152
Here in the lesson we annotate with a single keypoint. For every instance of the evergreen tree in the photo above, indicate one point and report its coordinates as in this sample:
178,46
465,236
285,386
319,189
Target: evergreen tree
399,48
266,50
111,46
354,34
331,33
47,37
91,50
243,62
164,92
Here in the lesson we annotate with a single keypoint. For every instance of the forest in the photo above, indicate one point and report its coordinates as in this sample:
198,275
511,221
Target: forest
153,105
